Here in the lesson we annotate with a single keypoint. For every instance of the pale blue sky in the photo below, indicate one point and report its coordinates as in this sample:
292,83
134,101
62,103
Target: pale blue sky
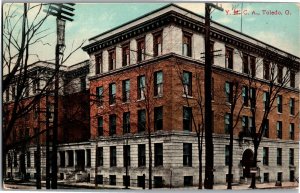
91,19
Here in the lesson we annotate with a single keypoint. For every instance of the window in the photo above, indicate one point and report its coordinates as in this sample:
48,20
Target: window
99,156
28,159
279,104
279,176
158,83
125,55
279,129
158,118
187,45
211,45
247,123
292,176
252,97
292,79
188,180
100,126
227,123
266,177
26,89
141,155
292,106
279,156
141,87
291,157
35,159
158,154
36,85
70,158
126,155
99,95
227,155
266,70
98,64
126,90
113,156
187,154
279,74
158,182
157,47
62,159
253,66
88,157
13,91
187,118
266,129
112,124
245,64
228,92
141,50
16,159
266,156
187,83
292,131
126,122
99,179
266,99
126,180
112,180
245,96
82,83
111,60
7,95
229,58
141,120
112,93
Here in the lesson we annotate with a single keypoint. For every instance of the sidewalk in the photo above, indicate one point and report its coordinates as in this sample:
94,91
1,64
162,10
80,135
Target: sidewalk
85,185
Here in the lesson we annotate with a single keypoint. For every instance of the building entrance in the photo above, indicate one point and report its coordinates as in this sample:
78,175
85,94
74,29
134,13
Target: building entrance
247,162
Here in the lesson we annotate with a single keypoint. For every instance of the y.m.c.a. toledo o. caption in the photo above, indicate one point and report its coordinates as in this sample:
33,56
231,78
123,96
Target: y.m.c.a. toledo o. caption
263,12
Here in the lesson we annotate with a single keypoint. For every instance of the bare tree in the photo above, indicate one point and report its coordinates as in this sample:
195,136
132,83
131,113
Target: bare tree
275,83
195,103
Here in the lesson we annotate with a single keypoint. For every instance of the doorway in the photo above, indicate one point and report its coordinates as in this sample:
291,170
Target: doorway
247,162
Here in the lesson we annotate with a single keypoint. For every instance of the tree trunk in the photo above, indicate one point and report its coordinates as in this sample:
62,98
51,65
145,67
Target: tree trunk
229,185
150,160
253,182
200,156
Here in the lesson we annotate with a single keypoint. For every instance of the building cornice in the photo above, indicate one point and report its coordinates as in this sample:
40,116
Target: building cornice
217,33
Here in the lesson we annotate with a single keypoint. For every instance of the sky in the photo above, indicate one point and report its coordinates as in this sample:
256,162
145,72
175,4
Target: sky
280,29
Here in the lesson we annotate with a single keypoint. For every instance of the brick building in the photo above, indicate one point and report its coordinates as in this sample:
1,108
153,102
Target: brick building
73,114
148,75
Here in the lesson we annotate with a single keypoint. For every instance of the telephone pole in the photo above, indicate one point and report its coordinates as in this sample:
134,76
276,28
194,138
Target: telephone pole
62,12
209,148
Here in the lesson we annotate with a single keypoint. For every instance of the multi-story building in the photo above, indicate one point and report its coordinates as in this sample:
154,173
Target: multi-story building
148,75
73,114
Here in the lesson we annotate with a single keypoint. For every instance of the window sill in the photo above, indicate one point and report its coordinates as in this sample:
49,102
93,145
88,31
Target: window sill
292,115
112,105
140,100
279,113
187,96
125,103
158,96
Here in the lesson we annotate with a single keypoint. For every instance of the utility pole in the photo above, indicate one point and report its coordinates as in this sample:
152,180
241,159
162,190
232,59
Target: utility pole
209,148
48,177
62,12
38,151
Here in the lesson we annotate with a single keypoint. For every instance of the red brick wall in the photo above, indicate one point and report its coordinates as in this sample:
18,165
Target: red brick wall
173,99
